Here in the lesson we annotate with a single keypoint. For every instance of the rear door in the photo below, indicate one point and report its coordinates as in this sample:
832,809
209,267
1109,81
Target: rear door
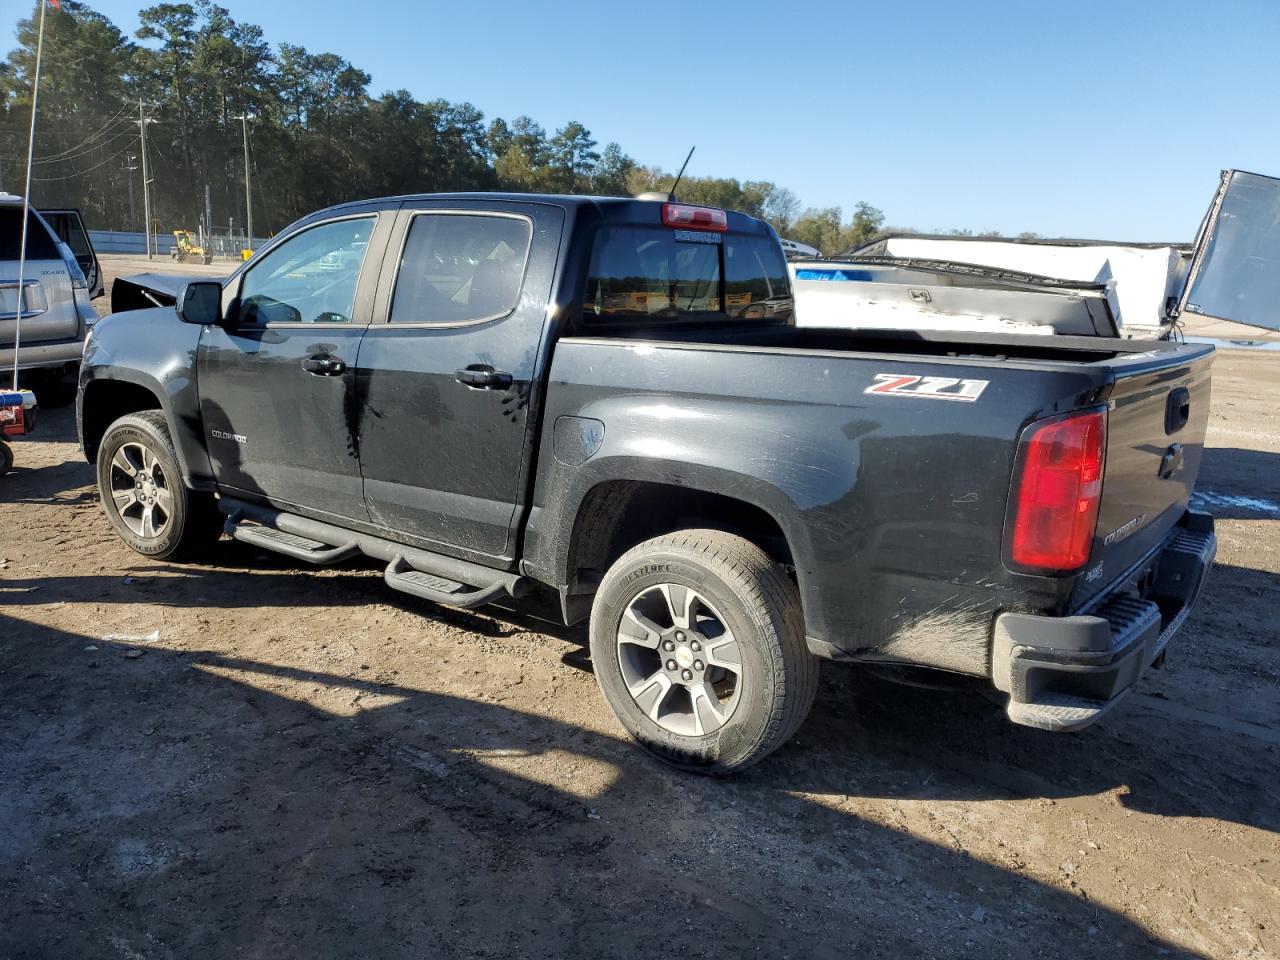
48,308
69,227
1235,269
445,382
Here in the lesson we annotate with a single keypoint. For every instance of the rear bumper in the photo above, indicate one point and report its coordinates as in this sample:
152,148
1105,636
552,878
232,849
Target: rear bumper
44,355
1063,673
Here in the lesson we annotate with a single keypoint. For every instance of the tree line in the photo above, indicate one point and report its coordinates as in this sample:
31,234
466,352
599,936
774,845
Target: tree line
201,81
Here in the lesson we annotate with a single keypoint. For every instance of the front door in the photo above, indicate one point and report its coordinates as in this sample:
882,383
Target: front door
445,382
277,381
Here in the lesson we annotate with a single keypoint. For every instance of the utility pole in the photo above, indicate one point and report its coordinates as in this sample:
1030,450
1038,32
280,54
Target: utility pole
129,167
208,219
248,196
146,182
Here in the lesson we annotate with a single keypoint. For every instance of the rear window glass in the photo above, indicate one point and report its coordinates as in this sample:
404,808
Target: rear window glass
459,268
70,230
40,245
640,273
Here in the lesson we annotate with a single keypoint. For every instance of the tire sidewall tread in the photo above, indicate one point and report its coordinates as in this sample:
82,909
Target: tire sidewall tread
192,526
763,606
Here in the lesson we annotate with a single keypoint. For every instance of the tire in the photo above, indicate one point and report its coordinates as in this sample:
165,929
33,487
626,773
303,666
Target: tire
6,458
721,586
157,516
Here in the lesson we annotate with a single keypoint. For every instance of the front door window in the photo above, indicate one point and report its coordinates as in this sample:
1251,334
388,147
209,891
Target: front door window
310,278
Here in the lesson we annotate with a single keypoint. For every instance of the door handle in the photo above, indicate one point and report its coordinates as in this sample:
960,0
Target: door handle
323,365
481,376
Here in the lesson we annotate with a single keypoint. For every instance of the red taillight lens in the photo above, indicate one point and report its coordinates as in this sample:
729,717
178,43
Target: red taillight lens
1058,488
694,218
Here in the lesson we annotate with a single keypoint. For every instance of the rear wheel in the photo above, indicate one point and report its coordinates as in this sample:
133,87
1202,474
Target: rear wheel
6,458
697,640
142,491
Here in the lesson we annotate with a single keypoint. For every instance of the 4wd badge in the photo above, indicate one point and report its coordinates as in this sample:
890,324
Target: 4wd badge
928,388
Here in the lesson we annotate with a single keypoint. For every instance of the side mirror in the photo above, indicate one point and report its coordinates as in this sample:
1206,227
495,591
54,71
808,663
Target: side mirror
200,302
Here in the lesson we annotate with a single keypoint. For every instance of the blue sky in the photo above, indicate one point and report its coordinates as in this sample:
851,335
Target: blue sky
1083,119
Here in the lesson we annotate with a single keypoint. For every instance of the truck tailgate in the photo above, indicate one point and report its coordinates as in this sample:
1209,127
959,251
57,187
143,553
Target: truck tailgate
1155,438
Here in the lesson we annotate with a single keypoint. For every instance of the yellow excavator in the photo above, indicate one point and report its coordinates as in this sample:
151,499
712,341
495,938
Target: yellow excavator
187,250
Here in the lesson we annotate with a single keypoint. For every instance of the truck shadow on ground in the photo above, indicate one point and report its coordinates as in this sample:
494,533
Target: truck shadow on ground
867,736
186,803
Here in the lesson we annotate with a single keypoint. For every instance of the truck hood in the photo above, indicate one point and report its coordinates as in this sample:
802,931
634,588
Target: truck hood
141,290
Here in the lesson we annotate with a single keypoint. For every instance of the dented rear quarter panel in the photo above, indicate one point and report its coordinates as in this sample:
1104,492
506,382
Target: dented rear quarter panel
893,506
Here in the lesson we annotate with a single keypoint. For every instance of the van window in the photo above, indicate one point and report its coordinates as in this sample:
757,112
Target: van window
40,245
654,273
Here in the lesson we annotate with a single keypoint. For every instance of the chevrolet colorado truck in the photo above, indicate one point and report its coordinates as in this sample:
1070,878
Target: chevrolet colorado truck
609,397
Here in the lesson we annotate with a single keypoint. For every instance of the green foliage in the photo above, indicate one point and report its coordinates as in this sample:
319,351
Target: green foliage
826,230
316,134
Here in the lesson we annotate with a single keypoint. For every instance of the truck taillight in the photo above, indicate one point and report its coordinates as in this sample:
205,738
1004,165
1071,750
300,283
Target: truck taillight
1057,489
694,218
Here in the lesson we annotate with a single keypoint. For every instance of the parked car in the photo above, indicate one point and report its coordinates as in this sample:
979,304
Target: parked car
60,278
609,398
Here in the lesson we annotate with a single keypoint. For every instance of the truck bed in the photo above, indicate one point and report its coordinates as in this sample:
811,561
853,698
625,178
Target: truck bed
893,505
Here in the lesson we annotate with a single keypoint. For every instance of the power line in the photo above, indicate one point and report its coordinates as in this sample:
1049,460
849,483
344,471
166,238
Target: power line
81,173
97,146
55,156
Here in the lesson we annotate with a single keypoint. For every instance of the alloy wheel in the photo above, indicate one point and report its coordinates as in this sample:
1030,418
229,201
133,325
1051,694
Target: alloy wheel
679,659
140,491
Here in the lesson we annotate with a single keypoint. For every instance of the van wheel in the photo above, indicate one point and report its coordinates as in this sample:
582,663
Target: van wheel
697,640
142,491
6,458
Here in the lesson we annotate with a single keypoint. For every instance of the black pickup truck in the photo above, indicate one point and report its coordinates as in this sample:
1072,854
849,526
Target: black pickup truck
609,397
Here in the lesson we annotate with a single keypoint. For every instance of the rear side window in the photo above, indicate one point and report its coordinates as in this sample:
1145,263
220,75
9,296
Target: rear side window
40,245
70,230
459,268
640,273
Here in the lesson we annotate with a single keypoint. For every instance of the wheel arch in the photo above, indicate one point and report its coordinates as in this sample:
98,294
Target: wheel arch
108,395
616,513
105,400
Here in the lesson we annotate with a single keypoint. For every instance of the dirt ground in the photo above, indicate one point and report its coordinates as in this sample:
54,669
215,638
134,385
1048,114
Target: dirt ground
243,759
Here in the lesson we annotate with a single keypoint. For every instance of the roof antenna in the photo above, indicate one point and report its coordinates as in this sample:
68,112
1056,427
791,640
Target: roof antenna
671,194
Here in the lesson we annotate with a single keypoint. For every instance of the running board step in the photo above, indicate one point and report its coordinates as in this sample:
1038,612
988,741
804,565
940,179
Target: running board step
422,573
290,544
1060,713
401,576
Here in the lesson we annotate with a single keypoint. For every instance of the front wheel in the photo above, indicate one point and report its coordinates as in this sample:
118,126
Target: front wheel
142,491
698,645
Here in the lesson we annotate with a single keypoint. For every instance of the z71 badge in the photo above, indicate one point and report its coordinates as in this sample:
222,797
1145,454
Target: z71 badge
928,388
